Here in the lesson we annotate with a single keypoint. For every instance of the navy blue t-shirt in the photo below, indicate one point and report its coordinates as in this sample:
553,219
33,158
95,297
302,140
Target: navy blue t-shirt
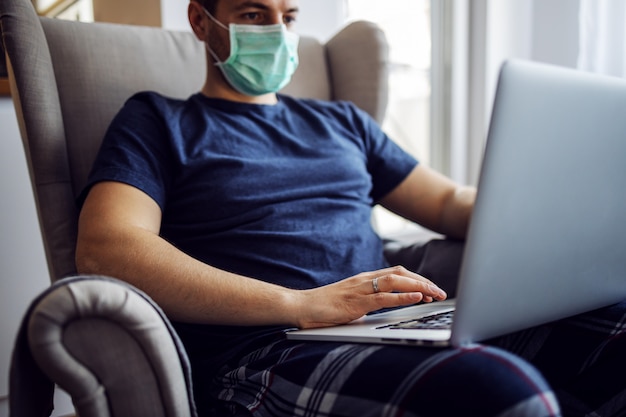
281,193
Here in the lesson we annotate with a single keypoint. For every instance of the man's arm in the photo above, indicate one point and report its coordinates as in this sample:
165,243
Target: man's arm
119,237
433,201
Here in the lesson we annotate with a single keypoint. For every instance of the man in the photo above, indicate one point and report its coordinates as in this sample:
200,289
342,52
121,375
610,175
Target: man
243,213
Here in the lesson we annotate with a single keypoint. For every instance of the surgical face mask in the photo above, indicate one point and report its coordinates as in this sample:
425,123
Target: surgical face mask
262,57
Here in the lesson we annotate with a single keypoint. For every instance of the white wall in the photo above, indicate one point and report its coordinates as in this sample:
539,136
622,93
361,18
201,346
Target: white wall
536,30
174,14
555,32
318,18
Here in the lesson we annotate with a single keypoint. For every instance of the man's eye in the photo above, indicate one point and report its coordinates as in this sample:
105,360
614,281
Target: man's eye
252,16
289,20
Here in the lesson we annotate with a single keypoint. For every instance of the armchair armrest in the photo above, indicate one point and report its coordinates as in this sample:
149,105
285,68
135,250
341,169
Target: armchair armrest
105,343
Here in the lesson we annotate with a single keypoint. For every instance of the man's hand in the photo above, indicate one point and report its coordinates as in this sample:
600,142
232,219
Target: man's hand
353,297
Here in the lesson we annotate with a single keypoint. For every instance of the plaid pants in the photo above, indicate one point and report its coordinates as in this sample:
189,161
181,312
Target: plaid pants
573,367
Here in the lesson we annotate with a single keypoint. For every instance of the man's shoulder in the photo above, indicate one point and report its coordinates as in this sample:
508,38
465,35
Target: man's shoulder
144,106
156,99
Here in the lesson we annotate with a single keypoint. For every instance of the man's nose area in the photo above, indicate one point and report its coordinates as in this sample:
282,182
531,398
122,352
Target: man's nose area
274,18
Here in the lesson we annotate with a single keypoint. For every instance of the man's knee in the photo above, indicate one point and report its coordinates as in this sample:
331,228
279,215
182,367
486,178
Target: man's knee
481,380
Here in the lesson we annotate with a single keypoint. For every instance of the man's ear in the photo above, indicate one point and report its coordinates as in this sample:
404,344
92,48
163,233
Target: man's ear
197,20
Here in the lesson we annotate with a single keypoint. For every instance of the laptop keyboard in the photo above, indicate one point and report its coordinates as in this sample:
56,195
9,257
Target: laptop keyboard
436,321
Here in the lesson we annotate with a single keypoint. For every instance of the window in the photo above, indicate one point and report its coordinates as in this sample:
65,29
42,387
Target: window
407,26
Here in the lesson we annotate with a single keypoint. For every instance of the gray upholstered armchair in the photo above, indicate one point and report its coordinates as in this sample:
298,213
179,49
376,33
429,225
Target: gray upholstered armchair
107,344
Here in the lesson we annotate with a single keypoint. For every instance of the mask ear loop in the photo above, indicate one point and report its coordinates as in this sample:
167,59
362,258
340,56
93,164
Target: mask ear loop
214,55
208,48
218,63
223,26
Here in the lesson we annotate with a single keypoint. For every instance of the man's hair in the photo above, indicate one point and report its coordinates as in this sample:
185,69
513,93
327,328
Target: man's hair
210,5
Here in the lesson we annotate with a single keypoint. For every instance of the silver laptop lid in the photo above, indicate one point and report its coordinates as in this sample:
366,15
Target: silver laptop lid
548,235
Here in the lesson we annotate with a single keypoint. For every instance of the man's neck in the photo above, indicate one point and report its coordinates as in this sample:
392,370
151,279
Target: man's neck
220,89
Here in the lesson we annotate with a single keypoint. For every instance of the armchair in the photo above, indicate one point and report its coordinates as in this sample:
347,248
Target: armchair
103,341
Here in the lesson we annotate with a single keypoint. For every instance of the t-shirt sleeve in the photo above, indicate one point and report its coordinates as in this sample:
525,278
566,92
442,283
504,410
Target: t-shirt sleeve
134,150
387,162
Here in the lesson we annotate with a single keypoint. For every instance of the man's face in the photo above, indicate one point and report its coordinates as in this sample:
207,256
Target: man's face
248,12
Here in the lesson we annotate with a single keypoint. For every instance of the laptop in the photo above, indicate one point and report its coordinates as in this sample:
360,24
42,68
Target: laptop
547,238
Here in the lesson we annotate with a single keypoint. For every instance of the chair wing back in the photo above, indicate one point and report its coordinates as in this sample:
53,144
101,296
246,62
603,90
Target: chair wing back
69,79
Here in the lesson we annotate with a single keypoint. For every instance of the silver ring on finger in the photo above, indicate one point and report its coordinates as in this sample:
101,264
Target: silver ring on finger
375,285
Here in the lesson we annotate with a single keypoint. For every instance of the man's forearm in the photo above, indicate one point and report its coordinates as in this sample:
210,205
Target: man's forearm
457,212
187,289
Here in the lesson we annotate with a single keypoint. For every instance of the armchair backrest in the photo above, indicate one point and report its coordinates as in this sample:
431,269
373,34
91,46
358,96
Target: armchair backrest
68,80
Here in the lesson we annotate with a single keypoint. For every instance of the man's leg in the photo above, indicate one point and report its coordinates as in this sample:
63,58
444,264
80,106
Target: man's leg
288,378
583,358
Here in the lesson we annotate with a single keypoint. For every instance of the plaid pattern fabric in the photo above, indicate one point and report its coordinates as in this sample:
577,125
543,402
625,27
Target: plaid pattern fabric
583,358
289,378
579,361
